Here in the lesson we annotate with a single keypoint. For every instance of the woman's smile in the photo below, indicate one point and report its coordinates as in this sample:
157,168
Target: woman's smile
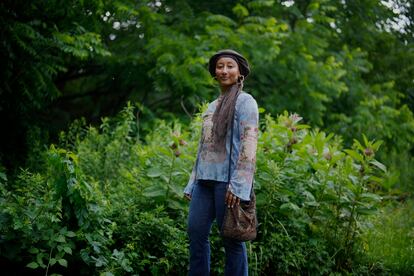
227,71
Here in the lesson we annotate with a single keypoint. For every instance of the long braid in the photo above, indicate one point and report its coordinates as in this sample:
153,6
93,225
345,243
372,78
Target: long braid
223,114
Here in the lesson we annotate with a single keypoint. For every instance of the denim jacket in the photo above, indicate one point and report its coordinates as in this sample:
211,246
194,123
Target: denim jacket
214,165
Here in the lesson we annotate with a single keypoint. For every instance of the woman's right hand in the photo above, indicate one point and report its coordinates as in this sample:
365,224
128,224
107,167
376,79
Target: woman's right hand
187,196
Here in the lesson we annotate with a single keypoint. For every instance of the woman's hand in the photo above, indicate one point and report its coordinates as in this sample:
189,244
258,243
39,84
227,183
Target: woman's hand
231,199
187,196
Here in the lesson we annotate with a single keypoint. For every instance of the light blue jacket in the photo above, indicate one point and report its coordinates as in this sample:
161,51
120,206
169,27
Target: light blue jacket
213,165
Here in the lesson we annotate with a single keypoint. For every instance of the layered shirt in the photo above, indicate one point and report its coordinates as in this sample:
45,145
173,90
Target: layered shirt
213,164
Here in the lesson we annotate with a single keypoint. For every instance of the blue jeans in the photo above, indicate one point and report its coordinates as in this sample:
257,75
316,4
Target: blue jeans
207,204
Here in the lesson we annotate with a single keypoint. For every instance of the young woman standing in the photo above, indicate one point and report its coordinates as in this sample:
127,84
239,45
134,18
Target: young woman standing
212,187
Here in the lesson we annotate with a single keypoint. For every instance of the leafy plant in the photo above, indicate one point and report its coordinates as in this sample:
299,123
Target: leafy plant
315,194
114,204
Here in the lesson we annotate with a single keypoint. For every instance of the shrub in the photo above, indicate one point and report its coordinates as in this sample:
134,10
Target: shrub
106,202
312,197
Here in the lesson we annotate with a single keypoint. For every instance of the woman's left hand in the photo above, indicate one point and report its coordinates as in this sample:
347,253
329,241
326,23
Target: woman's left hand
187,196
231,199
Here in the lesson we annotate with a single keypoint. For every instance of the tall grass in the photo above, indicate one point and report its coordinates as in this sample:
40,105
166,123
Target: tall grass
390,239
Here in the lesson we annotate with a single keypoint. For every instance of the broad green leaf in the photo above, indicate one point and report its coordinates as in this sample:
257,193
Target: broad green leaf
60,238
70,234
371,196
240,11
154,172
63,262
378,165
33,250
154,191
366,211
355,155
289,206
67,250
32,265
39,259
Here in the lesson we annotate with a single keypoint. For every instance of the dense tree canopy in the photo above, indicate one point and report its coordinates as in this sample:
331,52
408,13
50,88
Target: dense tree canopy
335,62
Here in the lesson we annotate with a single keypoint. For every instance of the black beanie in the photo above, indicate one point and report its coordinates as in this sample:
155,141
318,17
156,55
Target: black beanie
241,61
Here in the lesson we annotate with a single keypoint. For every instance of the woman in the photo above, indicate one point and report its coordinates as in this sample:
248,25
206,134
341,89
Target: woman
212,186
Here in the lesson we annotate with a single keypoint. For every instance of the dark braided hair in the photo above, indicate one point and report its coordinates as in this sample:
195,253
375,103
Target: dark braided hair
224,114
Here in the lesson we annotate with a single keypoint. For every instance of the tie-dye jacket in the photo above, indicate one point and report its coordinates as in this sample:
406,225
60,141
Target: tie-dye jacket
213,165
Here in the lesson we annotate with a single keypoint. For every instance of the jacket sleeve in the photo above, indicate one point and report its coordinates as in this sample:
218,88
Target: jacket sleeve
242,177
191,182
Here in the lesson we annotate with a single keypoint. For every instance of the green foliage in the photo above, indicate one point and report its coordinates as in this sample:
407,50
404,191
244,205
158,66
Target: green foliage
40,42
35,224
389,239
153,243
340,64
312,197
113,204
43,43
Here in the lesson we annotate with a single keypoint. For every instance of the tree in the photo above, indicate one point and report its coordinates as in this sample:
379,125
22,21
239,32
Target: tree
39,41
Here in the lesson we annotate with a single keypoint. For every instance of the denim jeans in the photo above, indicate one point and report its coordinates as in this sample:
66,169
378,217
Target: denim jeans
207,204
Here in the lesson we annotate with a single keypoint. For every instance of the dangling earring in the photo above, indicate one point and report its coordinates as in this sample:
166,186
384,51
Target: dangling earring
240,79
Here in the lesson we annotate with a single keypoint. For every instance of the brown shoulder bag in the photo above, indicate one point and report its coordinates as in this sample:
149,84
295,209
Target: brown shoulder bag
240,222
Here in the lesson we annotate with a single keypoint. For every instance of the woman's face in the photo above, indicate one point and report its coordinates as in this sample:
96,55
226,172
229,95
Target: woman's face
227,71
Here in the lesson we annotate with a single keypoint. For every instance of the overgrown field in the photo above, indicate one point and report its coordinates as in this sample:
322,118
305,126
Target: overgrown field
104,202
389,239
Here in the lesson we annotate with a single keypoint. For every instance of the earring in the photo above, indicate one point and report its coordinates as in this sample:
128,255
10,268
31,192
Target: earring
240,79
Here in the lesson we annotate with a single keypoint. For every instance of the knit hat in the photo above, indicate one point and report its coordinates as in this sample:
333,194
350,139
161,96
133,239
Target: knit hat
241,61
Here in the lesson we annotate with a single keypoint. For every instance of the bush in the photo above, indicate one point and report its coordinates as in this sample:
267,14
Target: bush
312,197
106,202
